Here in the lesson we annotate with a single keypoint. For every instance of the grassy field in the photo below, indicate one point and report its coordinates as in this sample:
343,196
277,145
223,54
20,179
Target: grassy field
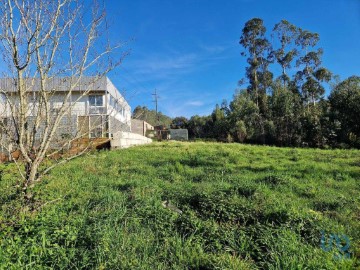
244,207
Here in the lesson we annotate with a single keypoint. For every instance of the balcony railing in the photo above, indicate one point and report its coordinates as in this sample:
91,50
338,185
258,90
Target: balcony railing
97,110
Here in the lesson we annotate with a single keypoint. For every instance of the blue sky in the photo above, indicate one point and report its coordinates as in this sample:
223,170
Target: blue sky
188,50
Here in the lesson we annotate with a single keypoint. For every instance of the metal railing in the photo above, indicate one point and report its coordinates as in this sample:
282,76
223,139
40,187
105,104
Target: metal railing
97,110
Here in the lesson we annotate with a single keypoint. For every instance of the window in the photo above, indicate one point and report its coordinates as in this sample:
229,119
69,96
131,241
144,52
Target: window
33,97
96,100
112,101
2,97
98,126
3,104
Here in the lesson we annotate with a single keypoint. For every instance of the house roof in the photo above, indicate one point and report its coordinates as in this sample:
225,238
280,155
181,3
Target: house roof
56,84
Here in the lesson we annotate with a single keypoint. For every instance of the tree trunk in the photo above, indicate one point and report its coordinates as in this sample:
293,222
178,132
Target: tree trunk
31,169
256,88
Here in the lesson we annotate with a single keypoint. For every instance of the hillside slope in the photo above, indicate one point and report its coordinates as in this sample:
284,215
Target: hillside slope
244,207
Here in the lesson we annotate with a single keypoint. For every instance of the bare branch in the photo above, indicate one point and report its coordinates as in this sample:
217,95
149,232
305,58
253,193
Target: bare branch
55,59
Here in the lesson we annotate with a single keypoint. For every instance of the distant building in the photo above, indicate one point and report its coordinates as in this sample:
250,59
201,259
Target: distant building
162,132
140,127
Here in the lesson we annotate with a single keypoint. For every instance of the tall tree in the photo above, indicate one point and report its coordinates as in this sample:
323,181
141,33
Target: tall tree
286,33
258,51
312,74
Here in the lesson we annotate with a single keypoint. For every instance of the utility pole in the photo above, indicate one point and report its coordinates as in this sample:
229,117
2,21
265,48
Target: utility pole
156,96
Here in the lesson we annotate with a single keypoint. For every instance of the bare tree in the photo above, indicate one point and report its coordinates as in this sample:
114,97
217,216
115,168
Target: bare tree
48,47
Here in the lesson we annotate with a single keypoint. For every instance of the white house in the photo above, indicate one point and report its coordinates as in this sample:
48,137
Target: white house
97,107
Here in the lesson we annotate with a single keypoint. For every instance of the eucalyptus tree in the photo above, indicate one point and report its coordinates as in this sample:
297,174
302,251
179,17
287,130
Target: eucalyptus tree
311,75
286,34
258,50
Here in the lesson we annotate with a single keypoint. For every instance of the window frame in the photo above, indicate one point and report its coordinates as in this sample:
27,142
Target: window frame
96,98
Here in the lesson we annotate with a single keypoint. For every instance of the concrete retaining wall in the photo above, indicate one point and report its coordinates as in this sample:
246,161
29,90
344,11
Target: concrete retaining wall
127,139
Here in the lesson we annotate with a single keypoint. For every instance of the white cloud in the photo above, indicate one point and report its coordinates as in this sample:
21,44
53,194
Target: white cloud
170,64
175,75
194,103
162,66
214,49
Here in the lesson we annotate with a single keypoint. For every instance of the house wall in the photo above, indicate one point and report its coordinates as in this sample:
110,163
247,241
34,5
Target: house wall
137,126
118,110
147,126
140,126
179,134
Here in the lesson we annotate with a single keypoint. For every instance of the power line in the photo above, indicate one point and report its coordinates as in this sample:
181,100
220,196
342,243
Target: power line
139,88
136,80
131,93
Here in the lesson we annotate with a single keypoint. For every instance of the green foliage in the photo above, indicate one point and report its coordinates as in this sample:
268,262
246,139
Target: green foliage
289,110
179,122
286,34
345,106
244,207
143,113
258,50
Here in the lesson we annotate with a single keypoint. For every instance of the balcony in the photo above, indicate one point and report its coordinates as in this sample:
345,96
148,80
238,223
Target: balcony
97,110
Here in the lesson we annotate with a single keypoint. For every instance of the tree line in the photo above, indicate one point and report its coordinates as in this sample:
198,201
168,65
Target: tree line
150,116
282,97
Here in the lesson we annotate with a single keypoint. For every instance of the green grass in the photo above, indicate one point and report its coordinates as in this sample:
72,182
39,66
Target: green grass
244,207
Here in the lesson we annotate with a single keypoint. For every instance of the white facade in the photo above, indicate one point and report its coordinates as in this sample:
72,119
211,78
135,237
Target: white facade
92,100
